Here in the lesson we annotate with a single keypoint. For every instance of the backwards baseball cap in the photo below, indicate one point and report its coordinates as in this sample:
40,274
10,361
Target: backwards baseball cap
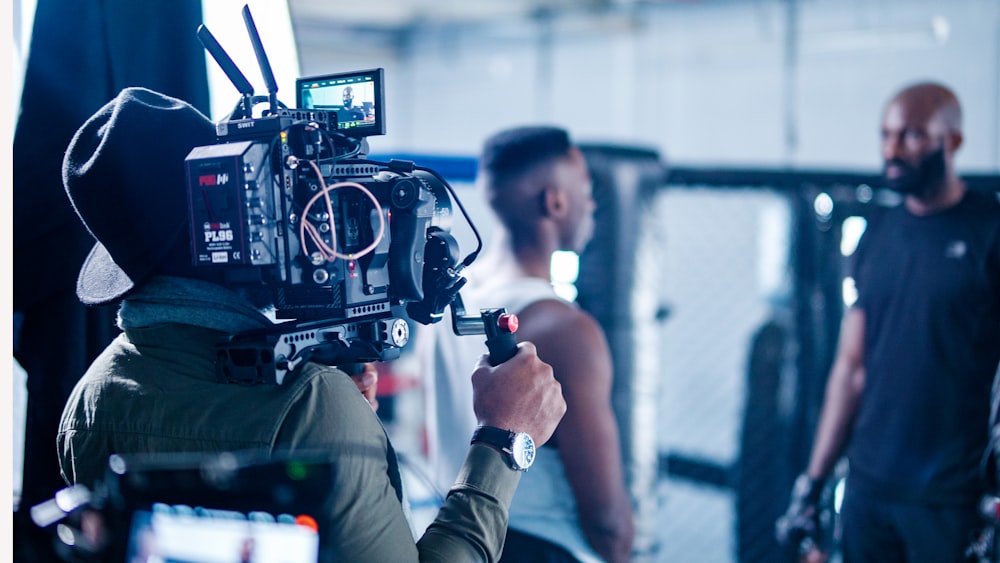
124,174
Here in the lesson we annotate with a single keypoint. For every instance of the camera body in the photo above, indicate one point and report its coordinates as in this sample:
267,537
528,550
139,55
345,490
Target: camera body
287,206
331,239
284,203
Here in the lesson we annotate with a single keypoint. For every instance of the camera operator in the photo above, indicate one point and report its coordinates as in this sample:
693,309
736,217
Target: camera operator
154,389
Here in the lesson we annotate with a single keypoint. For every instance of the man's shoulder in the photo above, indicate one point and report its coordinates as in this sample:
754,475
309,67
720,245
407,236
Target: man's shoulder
554,324
115,369
330,391
327,411
985,198
985,203
322,379
558,310
547,306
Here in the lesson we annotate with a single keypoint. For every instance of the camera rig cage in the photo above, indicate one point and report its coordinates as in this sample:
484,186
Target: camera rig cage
289,202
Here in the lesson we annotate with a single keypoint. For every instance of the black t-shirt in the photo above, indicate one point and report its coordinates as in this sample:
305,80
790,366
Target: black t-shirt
930,290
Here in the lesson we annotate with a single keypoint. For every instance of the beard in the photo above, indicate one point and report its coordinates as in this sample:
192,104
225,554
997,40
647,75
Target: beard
924,178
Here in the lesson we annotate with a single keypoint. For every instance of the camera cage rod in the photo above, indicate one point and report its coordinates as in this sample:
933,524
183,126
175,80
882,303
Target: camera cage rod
268,356
497,324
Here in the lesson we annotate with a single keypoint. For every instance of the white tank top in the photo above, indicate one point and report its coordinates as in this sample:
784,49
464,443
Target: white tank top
544,505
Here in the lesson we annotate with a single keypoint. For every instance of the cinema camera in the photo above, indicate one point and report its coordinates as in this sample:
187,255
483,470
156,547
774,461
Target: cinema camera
289,201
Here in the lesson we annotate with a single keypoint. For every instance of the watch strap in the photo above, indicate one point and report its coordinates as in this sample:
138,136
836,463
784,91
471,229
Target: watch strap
516,447
493,436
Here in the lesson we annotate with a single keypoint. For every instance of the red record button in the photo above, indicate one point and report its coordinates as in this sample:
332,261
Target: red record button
508,322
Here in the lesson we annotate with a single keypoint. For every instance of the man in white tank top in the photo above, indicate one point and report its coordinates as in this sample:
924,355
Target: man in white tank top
572,504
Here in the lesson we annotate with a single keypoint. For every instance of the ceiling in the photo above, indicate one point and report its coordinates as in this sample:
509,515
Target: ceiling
399,15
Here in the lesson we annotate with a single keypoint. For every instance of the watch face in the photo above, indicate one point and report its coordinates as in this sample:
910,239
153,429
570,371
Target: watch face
523,451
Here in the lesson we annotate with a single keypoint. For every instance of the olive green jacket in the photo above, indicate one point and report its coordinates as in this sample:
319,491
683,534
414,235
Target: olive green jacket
154,390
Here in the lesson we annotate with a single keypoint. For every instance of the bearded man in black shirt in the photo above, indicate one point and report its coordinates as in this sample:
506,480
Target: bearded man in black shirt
908,397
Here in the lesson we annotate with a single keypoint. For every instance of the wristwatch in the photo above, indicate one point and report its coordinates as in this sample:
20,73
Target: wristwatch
518,448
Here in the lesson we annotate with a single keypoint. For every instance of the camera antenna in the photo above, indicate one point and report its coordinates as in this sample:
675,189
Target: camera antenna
229,67
265,66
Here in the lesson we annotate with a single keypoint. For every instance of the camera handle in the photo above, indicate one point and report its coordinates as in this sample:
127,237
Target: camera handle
498,325
500,328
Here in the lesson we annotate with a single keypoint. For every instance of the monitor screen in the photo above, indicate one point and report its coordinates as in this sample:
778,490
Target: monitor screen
204,535
356,97
206,508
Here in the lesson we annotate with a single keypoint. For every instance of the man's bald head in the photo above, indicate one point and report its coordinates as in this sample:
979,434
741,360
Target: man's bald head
932,100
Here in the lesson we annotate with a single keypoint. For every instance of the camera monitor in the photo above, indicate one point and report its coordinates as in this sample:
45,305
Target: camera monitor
223,507
357,98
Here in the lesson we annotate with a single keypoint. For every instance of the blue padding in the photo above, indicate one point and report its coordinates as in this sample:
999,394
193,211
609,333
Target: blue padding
452,168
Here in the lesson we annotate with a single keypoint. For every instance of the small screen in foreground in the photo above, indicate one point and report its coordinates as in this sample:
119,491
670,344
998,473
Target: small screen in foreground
201,535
